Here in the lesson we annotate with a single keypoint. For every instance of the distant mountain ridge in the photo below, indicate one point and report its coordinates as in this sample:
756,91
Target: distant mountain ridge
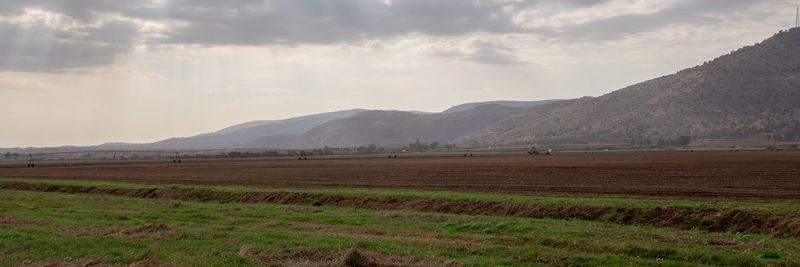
238,136
392,128
241,126
297,132
753,92
506,103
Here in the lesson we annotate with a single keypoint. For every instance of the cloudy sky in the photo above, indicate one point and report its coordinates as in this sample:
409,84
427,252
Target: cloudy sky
91,71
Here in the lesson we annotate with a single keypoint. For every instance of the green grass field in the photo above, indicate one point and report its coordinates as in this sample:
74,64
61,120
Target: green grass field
58,228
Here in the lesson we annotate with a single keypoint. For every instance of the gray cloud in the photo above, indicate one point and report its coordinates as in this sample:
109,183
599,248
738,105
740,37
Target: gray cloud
494,54
255,22
685,12
258,22
114,32
483,52
322,21
44,47
83,10
38,48
267,22
10,7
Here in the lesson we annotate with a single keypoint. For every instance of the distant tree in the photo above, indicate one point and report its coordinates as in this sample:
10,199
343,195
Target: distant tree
270,154
417,146
434,146
684,140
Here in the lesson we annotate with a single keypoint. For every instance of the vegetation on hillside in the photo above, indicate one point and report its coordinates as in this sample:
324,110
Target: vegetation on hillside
752,93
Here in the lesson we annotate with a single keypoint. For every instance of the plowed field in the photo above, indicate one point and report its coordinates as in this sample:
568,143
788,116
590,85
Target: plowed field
693,175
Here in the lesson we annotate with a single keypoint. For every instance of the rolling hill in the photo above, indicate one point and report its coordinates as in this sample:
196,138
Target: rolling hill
238,136
506,103
753,92
392,128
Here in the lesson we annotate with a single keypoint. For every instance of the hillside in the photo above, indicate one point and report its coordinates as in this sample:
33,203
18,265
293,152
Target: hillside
392,128
238,136
753,92
506,103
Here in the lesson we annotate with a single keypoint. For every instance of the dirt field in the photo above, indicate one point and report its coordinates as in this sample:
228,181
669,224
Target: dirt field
694,175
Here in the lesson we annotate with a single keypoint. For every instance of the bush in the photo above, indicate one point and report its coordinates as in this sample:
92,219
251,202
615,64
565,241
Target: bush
770,255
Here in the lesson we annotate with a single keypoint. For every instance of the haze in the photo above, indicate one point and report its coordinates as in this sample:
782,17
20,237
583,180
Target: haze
89,72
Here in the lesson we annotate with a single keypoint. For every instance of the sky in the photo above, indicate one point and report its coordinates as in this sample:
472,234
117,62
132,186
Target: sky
86,72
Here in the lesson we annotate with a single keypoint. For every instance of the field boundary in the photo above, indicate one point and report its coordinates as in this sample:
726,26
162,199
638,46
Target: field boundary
708,219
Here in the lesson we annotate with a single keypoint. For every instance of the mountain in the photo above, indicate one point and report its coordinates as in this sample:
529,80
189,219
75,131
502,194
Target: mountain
506,103
750,93
753,92
238,136
392,128
240,126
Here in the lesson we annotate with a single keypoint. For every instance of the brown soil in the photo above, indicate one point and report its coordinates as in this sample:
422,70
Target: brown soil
8,220
151,229
354,259
695,175
733,220
296,256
